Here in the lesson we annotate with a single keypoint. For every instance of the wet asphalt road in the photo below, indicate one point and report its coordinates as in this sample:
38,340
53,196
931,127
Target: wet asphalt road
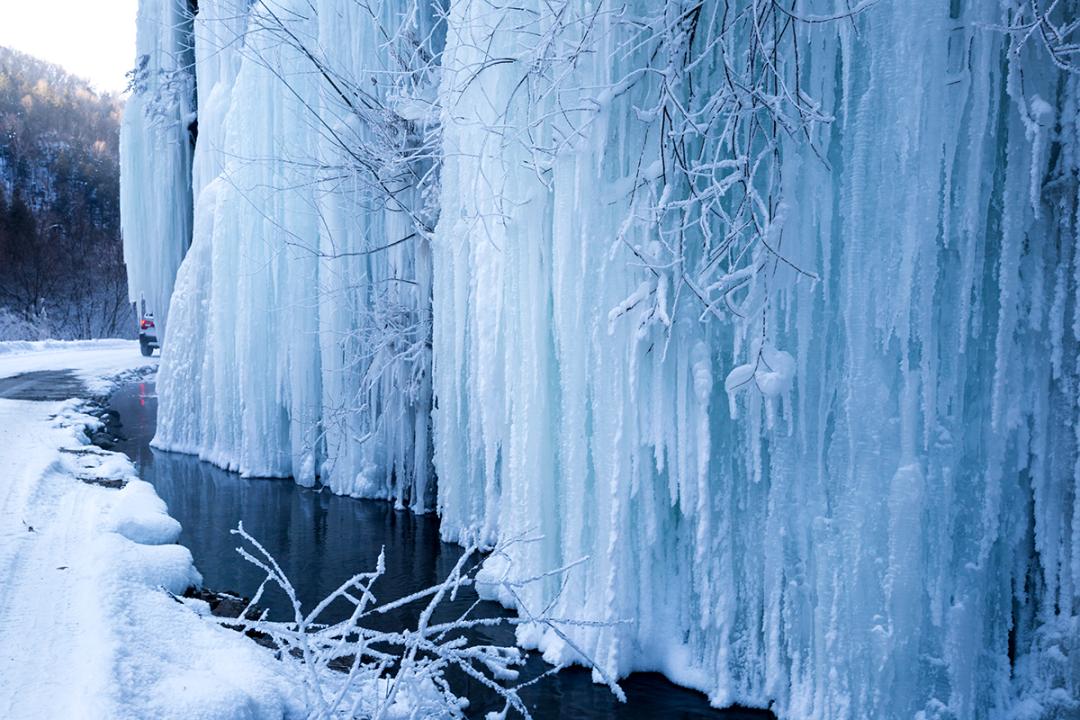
42,385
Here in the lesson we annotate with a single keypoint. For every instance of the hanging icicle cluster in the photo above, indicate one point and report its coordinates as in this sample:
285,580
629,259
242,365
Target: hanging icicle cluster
770,310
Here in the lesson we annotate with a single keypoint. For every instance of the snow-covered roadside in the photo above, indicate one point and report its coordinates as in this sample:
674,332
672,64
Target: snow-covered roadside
98,363
89,626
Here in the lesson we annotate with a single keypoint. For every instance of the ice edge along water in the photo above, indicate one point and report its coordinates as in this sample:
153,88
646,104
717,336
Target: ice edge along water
875,515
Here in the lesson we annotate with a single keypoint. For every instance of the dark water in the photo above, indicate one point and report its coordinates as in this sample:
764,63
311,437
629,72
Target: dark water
321,540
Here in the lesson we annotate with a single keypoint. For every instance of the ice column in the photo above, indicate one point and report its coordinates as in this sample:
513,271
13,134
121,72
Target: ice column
876,514
300,345
156,141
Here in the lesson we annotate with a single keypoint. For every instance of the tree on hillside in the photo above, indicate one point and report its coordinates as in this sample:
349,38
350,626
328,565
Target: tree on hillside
61,259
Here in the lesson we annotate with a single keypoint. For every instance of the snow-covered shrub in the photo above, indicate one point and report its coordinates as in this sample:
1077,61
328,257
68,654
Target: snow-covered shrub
16,327
347,670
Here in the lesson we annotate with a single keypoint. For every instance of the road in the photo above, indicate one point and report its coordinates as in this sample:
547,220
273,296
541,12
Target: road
42,385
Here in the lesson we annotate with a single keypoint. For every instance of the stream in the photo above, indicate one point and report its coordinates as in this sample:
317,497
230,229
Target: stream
321,539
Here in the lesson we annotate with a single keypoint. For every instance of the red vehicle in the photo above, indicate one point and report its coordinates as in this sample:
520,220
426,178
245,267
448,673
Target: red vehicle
148,335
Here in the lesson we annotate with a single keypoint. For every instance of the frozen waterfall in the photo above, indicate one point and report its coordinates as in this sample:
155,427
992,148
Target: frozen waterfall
300,342
155,155
771,313
888,480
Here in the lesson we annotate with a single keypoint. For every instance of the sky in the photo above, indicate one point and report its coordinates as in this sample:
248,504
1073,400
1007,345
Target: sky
94,39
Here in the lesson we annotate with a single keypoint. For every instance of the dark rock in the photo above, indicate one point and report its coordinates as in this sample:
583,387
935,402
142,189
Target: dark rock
224,604
111,483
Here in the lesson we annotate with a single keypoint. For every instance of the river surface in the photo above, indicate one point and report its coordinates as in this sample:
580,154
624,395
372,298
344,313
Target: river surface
321,539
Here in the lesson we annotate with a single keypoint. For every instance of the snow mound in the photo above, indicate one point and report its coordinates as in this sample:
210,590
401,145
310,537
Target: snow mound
142,517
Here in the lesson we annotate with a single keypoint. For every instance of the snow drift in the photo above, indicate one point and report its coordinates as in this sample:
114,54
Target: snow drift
771,313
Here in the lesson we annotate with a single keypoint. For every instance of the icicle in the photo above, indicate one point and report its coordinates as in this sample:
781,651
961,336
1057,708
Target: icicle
598,238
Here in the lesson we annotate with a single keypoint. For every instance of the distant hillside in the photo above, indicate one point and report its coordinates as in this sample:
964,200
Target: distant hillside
61,260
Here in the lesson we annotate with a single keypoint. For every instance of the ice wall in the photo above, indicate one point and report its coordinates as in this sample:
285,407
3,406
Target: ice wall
775,322
300,342
155,154
877,517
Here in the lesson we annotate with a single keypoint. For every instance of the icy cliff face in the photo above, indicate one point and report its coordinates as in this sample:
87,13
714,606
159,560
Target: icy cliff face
155,155
300,341
771,315
881,496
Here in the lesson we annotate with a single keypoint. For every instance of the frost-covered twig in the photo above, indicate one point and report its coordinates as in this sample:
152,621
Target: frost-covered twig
1051,23
711,92
348,670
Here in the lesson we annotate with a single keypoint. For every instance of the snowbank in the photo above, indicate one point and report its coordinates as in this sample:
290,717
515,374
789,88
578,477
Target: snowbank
91,625
141,516
8,347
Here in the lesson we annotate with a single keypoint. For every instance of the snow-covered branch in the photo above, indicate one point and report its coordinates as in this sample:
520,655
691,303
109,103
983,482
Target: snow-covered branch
348,670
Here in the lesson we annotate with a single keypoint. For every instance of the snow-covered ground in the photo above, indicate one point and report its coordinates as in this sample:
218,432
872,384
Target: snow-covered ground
96,362
89,626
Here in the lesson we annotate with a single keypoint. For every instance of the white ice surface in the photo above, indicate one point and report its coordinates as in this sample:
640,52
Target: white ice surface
155,139
274,366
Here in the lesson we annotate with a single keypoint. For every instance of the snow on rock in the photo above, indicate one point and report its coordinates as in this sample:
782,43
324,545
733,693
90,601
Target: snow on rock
126,560
142,517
